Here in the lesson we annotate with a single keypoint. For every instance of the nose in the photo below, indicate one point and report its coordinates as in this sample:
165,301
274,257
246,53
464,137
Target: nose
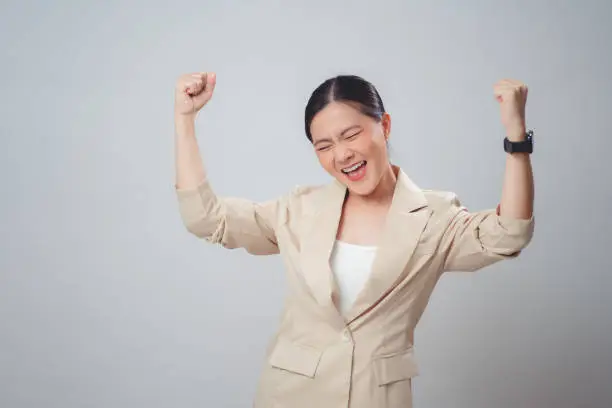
343,155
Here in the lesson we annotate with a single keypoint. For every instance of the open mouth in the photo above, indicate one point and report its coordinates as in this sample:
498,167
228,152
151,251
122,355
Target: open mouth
356,171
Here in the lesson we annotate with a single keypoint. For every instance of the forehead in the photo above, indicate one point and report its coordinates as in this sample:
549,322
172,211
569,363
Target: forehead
334,118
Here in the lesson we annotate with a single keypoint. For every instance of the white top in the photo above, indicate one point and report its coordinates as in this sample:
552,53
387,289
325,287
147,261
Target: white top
351,265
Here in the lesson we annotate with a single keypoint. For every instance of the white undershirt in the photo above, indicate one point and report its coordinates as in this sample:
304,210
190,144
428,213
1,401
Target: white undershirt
351,265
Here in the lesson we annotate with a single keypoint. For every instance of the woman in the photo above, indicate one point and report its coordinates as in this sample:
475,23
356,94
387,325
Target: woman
363,253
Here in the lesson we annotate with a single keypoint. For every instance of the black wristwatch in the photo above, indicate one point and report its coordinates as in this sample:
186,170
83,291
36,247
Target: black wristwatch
524,146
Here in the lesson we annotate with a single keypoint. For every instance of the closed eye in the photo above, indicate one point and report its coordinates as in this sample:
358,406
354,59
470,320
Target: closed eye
353,136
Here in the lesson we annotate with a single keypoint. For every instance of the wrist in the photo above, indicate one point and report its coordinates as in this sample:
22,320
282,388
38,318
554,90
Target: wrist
184,124
516,133
184,117
514,144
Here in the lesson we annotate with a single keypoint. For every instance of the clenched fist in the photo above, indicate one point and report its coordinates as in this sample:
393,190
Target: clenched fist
193,91
512,97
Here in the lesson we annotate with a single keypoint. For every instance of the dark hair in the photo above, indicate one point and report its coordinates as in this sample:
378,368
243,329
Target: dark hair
344,88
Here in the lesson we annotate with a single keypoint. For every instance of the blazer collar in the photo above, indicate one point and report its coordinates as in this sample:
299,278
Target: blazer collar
406,219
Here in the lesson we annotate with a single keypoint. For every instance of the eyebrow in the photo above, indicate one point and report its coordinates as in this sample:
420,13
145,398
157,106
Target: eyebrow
341,134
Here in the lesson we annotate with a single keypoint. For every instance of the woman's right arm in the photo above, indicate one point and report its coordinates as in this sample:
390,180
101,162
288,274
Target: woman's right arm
230,222
193,91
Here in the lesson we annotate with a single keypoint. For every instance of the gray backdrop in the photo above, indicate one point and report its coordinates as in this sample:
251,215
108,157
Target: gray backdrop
107,301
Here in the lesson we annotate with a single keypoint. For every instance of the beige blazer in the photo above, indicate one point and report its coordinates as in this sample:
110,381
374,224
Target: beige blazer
319,358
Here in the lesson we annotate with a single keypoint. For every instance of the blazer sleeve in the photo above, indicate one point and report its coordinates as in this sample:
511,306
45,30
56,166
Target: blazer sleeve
229,221
474,240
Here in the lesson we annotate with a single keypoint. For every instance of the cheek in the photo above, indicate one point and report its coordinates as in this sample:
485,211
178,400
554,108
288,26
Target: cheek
326,160
369,148
377,152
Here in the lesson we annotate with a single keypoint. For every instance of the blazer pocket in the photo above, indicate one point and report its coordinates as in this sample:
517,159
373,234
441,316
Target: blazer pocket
395,367
296,358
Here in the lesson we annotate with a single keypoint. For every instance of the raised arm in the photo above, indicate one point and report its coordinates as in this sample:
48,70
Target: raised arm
228,221
518,188
474,240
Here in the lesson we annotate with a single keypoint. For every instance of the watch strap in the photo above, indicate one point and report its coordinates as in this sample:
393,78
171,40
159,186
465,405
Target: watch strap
524,146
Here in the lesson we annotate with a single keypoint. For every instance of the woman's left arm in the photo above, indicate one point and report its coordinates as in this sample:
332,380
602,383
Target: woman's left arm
518,188
473,240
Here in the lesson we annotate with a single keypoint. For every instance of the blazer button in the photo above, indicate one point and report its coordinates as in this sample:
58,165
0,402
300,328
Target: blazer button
346,337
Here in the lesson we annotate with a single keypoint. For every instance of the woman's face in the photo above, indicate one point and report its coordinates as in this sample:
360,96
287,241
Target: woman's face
351,146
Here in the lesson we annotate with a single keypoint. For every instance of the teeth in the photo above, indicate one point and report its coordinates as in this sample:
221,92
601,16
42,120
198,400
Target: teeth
353,168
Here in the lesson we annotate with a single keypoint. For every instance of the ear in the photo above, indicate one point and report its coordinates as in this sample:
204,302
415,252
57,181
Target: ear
386,124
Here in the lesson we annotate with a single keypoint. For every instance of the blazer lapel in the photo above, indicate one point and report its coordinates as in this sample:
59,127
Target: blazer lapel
317,242
406,220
